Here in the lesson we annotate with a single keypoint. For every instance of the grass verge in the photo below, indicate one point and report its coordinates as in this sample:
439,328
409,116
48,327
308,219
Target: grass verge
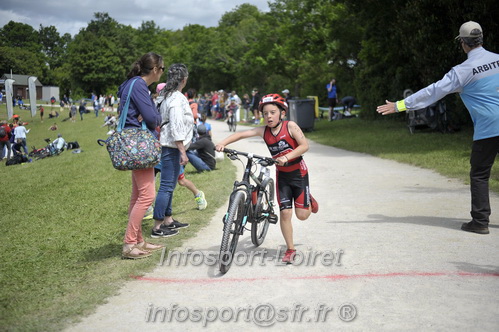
448,154
64,219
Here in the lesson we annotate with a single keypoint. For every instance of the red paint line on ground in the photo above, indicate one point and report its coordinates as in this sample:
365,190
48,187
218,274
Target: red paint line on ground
326,277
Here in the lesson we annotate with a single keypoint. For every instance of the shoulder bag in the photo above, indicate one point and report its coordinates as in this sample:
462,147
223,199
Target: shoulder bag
132,148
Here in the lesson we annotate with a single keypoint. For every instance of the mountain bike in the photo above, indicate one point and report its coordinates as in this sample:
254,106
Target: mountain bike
248,202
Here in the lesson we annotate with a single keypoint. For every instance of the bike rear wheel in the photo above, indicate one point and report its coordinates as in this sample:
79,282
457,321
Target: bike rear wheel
232,227
263,209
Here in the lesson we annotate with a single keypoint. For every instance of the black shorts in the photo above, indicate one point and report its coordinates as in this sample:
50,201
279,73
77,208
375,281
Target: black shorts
293,187
331,102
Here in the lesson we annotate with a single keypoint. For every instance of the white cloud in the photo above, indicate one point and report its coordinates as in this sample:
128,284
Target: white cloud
71,15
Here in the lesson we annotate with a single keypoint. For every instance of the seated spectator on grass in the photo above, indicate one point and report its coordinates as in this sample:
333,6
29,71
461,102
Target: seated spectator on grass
53,114
59,143
110,121
202,152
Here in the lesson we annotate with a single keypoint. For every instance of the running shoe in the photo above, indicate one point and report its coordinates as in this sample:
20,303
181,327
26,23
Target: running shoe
289,256
162,232
149,213
314,204
174,225
201,201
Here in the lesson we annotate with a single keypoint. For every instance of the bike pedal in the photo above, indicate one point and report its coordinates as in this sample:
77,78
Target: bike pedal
273,218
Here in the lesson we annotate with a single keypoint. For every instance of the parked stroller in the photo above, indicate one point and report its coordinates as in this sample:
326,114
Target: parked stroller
434,116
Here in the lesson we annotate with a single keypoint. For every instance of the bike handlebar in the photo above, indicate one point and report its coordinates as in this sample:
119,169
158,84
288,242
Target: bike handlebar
264,161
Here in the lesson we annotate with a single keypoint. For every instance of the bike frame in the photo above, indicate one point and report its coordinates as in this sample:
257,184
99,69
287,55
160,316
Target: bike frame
242,209
247,187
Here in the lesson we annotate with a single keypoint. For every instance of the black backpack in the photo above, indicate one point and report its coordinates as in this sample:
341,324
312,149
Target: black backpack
73,145
3,132
16,159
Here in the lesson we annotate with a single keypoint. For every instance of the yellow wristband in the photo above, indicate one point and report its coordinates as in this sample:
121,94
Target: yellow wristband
400,106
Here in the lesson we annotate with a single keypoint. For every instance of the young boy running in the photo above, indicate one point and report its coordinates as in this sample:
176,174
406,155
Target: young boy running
286,144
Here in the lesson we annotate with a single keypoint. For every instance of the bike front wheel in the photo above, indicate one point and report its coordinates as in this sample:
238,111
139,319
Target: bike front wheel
232,227
263,210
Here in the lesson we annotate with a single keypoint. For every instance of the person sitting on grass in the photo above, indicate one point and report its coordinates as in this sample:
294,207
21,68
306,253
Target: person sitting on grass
201,153
110,121
59,143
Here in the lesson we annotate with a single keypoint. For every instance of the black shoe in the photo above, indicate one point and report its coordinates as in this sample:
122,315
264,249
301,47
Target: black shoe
473,227
273,219
161,232
174,225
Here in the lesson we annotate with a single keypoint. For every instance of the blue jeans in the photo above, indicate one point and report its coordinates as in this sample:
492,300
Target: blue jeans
170,168
7,146
24,145
197,162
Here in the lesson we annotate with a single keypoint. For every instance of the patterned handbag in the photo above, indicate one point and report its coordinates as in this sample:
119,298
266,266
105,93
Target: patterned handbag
132,148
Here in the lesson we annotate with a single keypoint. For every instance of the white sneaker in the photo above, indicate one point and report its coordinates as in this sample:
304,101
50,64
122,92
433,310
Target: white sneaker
201,201
347,113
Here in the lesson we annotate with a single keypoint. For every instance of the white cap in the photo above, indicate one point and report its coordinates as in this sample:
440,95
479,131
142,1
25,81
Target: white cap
470,30
285,91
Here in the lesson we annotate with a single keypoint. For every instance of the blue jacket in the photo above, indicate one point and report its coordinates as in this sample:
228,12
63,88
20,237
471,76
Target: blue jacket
141,103
477,82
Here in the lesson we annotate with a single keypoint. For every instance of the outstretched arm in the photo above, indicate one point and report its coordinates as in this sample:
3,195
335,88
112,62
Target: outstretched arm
387,108
258,131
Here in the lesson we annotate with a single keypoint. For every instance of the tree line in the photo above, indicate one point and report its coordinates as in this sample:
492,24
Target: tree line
374,48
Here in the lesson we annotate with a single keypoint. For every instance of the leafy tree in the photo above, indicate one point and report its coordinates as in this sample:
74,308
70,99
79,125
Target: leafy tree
53,45
21,61
21,35
242,48
20,49
101,55
54,49
307,52
149,35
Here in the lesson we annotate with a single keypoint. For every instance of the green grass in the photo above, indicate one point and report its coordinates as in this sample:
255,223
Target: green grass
64,219
448,154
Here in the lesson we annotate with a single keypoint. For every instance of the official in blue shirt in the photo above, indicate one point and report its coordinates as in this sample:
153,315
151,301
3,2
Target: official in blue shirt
477,82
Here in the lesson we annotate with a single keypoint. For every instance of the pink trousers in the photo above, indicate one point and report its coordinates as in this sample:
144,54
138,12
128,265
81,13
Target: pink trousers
143,193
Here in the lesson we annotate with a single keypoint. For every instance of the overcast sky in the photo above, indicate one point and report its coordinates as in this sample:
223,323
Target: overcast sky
69,16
